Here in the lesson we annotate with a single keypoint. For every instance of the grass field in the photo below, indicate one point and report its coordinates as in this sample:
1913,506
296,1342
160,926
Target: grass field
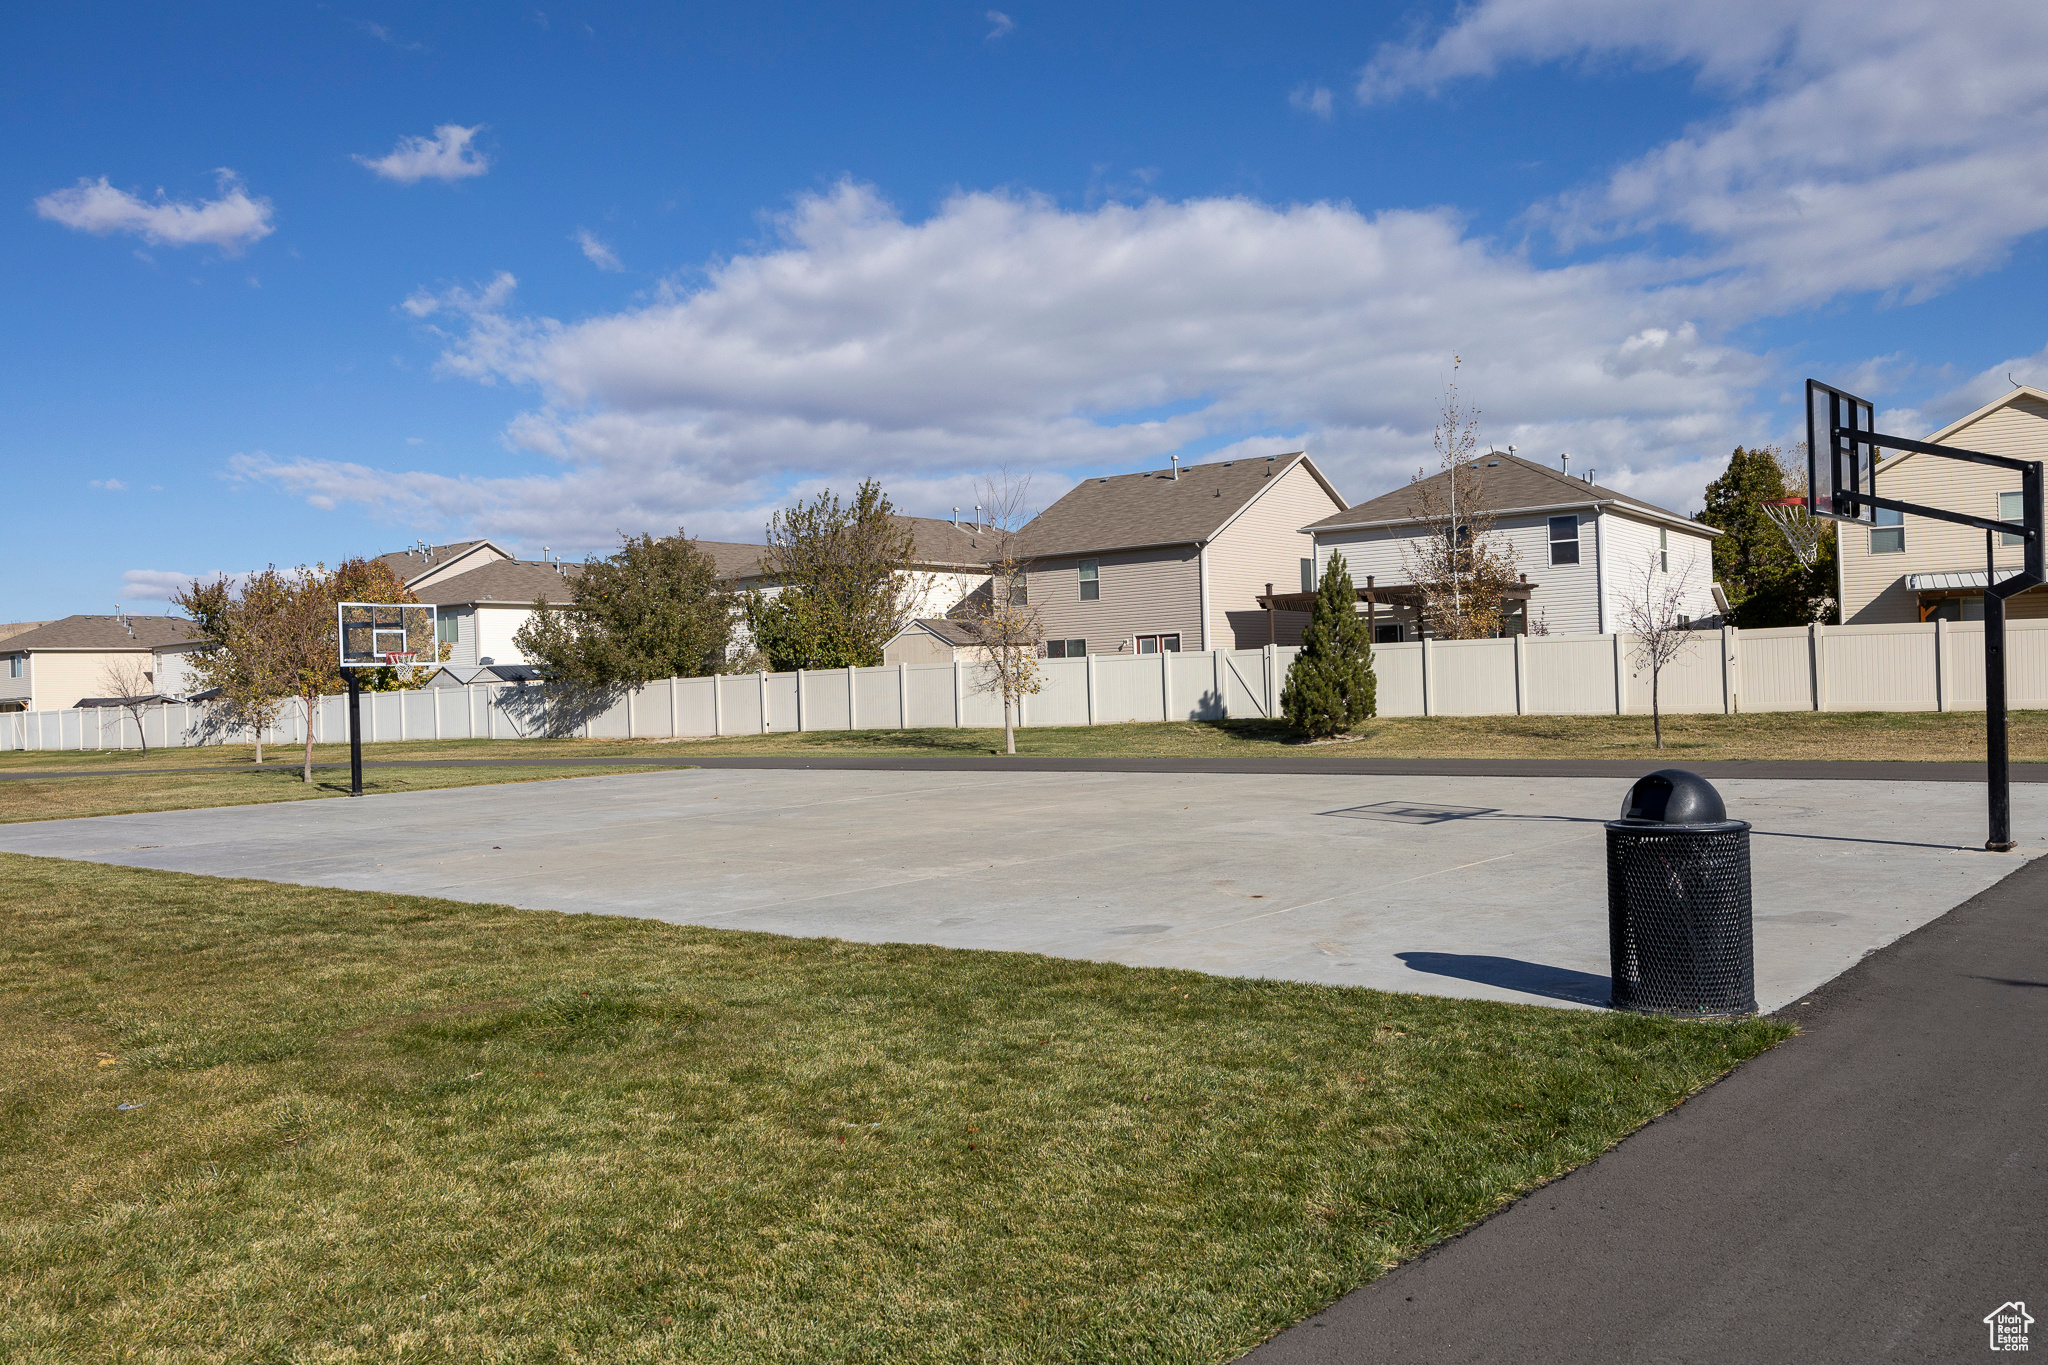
375,1128
1801,734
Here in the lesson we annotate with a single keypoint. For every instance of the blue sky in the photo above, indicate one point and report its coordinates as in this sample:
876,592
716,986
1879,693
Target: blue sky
546,273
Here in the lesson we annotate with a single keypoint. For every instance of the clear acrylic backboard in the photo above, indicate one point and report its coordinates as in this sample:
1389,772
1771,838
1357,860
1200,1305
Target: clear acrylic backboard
383,634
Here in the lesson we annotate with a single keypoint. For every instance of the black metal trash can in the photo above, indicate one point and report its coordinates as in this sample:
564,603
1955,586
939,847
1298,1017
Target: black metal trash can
1678,909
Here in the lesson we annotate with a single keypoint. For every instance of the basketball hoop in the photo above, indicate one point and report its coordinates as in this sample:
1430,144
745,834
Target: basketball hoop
1801,529
404,663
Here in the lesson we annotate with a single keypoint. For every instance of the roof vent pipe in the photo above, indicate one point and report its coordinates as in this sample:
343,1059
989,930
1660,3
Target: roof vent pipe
1176,469
956,517
1564,462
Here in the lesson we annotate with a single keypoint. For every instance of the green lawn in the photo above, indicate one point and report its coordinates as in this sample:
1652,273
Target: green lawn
376,1128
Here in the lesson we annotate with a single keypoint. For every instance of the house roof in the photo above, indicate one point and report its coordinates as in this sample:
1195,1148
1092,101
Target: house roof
2019,393
951,631
411,564
1136,511
104,633
1512,484
503,580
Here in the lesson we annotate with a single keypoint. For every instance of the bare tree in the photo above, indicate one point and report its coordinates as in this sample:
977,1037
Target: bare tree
1002,621
1653,612
1461,566
128,682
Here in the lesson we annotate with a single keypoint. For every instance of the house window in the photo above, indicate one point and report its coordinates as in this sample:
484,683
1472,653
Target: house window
1564,540
14,663
1066,649
2011,508
1308,575
1020,592
447,630
1386,635
1888,532
1091,580
1159,644
1663,549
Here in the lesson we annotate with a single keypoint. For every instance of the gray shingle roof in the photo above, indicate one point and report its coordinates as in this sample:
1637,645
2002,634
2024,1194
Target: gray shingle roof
1509,482
504,580
951,631
410,564
102,632
1131,511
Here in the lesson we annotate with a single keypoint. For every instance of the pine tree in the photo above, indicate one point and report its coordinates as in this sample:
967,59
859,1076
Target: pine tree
1330,686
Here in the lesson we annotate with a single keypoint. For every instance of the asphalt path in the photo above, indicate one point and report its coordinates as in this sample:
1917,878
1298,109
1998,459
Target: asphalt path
1869,1190
1797,770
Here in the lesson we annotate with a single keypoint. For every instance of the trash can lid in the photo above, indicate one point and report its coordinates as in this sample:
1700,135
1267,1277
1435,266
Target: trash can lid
1673,796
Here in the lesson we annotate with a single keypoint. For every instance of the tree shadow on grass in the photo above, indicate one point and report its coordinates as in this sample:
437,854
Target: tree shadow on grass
1512,973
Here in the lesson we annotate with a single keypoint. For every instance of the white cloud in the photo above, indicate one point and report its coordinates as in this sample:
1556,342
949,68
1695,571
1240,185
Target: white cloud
447,155
1006,330
1315,100
1871,145
1001,25
231,222
111,485
599,255
389,39
160,585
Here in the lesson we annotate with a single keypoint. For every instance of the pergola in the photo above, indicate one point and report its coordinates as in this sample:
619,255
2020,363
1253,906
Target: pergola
1404,602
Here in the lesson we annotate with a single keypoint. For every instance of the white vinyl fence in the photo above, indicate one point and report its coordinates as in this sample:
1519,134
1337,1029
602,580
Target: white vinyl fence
1935,666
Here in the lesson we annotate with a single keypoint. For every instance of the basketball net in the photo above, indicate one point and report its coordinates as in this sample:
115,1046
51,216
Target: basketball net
1801,529
405,664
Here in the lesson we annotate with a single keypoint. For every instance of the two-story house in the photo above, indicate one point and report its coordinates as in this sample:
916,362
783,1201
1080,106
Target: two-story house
1582,548
1908,568
60,664
1174,559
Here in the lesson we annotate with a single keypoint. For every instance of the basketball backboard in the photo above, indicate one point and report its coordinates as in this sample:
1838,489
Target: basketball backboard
1841,462
382,634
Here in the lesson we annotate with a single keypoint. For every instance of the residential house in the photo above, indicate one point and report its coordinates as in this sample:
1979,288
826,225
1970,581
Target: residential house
65,662
1908,568
933,640
1582,549
1174,559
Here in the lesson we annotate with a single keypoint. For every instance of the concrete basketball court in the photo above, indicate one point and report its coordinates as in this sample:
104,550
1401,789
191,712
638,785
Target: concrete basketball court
1485,887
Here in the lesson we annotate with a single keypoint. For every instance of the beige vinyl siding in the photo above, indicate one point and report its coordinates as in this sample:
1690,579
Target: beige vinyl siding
1144,592
61,678
917,647
495,626
1873,586
1264,544
1628,544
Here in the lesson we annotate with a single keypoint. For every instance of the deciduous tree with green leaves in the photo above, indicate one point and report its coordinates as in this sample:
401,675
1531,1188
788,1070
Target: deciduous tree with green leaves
653,609
841,581
1330,686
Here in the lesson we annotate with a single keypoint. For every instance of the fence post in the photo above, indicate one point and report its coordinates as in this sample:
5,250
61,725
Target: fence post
1270,664
1620,678
1731,670
800,700
1815,650
717,705
675,708
1216,672
852,722
1944,682
957,716
1428,670
1165,686
763,675
1521,677
903,696
1091,689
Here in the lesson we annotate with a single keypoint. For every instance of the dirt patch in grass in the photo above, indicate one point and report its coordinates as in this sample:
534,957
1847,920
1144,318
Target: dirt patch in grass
375,1127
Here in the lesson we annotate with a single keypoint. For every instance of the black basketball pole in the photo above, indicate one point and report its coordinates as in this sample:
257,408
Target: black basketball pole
1997,769
355,734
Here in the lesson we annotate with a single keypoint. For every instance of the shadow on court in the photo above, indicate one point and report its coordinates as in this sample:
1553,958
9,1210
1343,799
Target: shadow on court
1511,973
